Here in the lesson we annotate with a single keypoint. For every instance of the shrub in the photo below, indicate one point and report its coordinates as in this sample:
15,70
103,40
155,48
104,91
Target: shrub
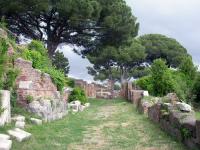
57,76
10,79
161,78
196,89
1,109
70,82
29,98
78,94
38,46
37,53
3,59
145,83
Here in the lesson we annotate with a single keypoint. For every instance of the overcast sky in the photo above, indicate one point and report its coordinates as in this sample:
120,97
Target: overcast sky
179,19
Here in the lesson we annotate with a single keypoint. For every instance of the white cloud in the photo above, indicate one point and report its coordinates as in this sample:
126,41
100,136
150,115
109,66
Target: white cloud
77,64
175,18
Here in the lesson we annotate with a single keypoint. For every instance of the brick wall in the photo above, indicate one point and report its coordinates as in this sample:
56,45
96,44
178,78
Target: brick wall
33,82
94,90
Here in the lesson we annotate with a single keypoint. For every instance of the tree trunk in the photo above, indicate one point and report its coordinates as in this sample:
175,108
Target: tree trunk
51,47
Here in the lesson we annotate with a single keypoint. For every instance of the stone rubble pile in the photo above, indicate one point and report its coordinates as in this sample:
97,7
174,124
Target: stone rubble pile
5,142
49,110
75,106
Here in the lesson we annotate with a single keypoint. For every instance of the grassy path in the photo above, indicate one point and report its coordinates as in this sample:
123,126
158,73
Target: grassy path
106,125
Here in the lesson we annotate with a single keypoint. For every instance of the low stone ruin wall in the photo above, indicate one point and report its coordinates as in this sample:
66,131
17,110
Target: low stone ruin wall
49,109
47,101
33,82
90,89
171,116
94,90
5,114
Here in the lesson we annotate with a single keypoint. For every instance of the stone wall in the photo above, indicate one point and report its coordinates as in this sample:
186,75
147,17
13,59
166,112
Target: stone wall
47,103
178,123
90,89
33,82
94,90
5,116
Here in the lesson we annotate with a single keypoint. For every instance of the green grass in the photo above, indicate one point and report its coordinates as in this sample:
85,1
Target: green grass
107,124
197,113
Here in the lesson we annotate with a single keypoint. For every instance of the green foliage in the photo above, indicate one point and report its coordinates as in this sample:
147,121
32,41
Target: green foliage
37,54
13,97
1,109
196,89
10,79
78,94
161,78
111,21
57,76
3,60
61,62
117,87
145,83
70,82
117,63
38,46
185,133
187,67
29,98
39,57
160,46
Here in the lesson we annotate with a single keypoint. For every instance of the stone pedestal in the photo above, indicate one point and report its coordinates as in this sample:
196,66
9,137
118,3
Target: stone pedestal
5,116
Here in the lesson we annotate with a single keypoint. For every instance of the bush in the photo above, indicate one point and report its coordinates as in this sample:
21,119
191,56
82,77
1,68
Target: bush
37,53
161,78
196,89
78,94
57,76
10,78
29,98
145,83
70,82
3,60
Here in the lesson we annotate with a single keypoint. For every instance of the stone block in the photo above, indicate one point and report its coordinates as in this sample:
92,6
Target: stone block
191,144
183,107
18,118
36,121
82,108
26,85
198,131
5,144
87,104
19,135
154,112
5,116
145,93
4,137
20,124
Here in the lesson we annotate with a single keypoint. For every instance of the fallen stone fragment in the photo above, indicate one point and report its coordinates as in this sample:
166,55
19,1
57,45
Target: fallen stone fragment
5,144
183,107
82,108
145,93
36,121
20,124
19,135
19,118
87,104
4,137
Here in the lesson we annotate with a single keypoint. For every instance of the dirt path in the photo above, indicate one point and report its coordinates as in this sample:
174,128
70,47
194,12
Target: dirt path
121,128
